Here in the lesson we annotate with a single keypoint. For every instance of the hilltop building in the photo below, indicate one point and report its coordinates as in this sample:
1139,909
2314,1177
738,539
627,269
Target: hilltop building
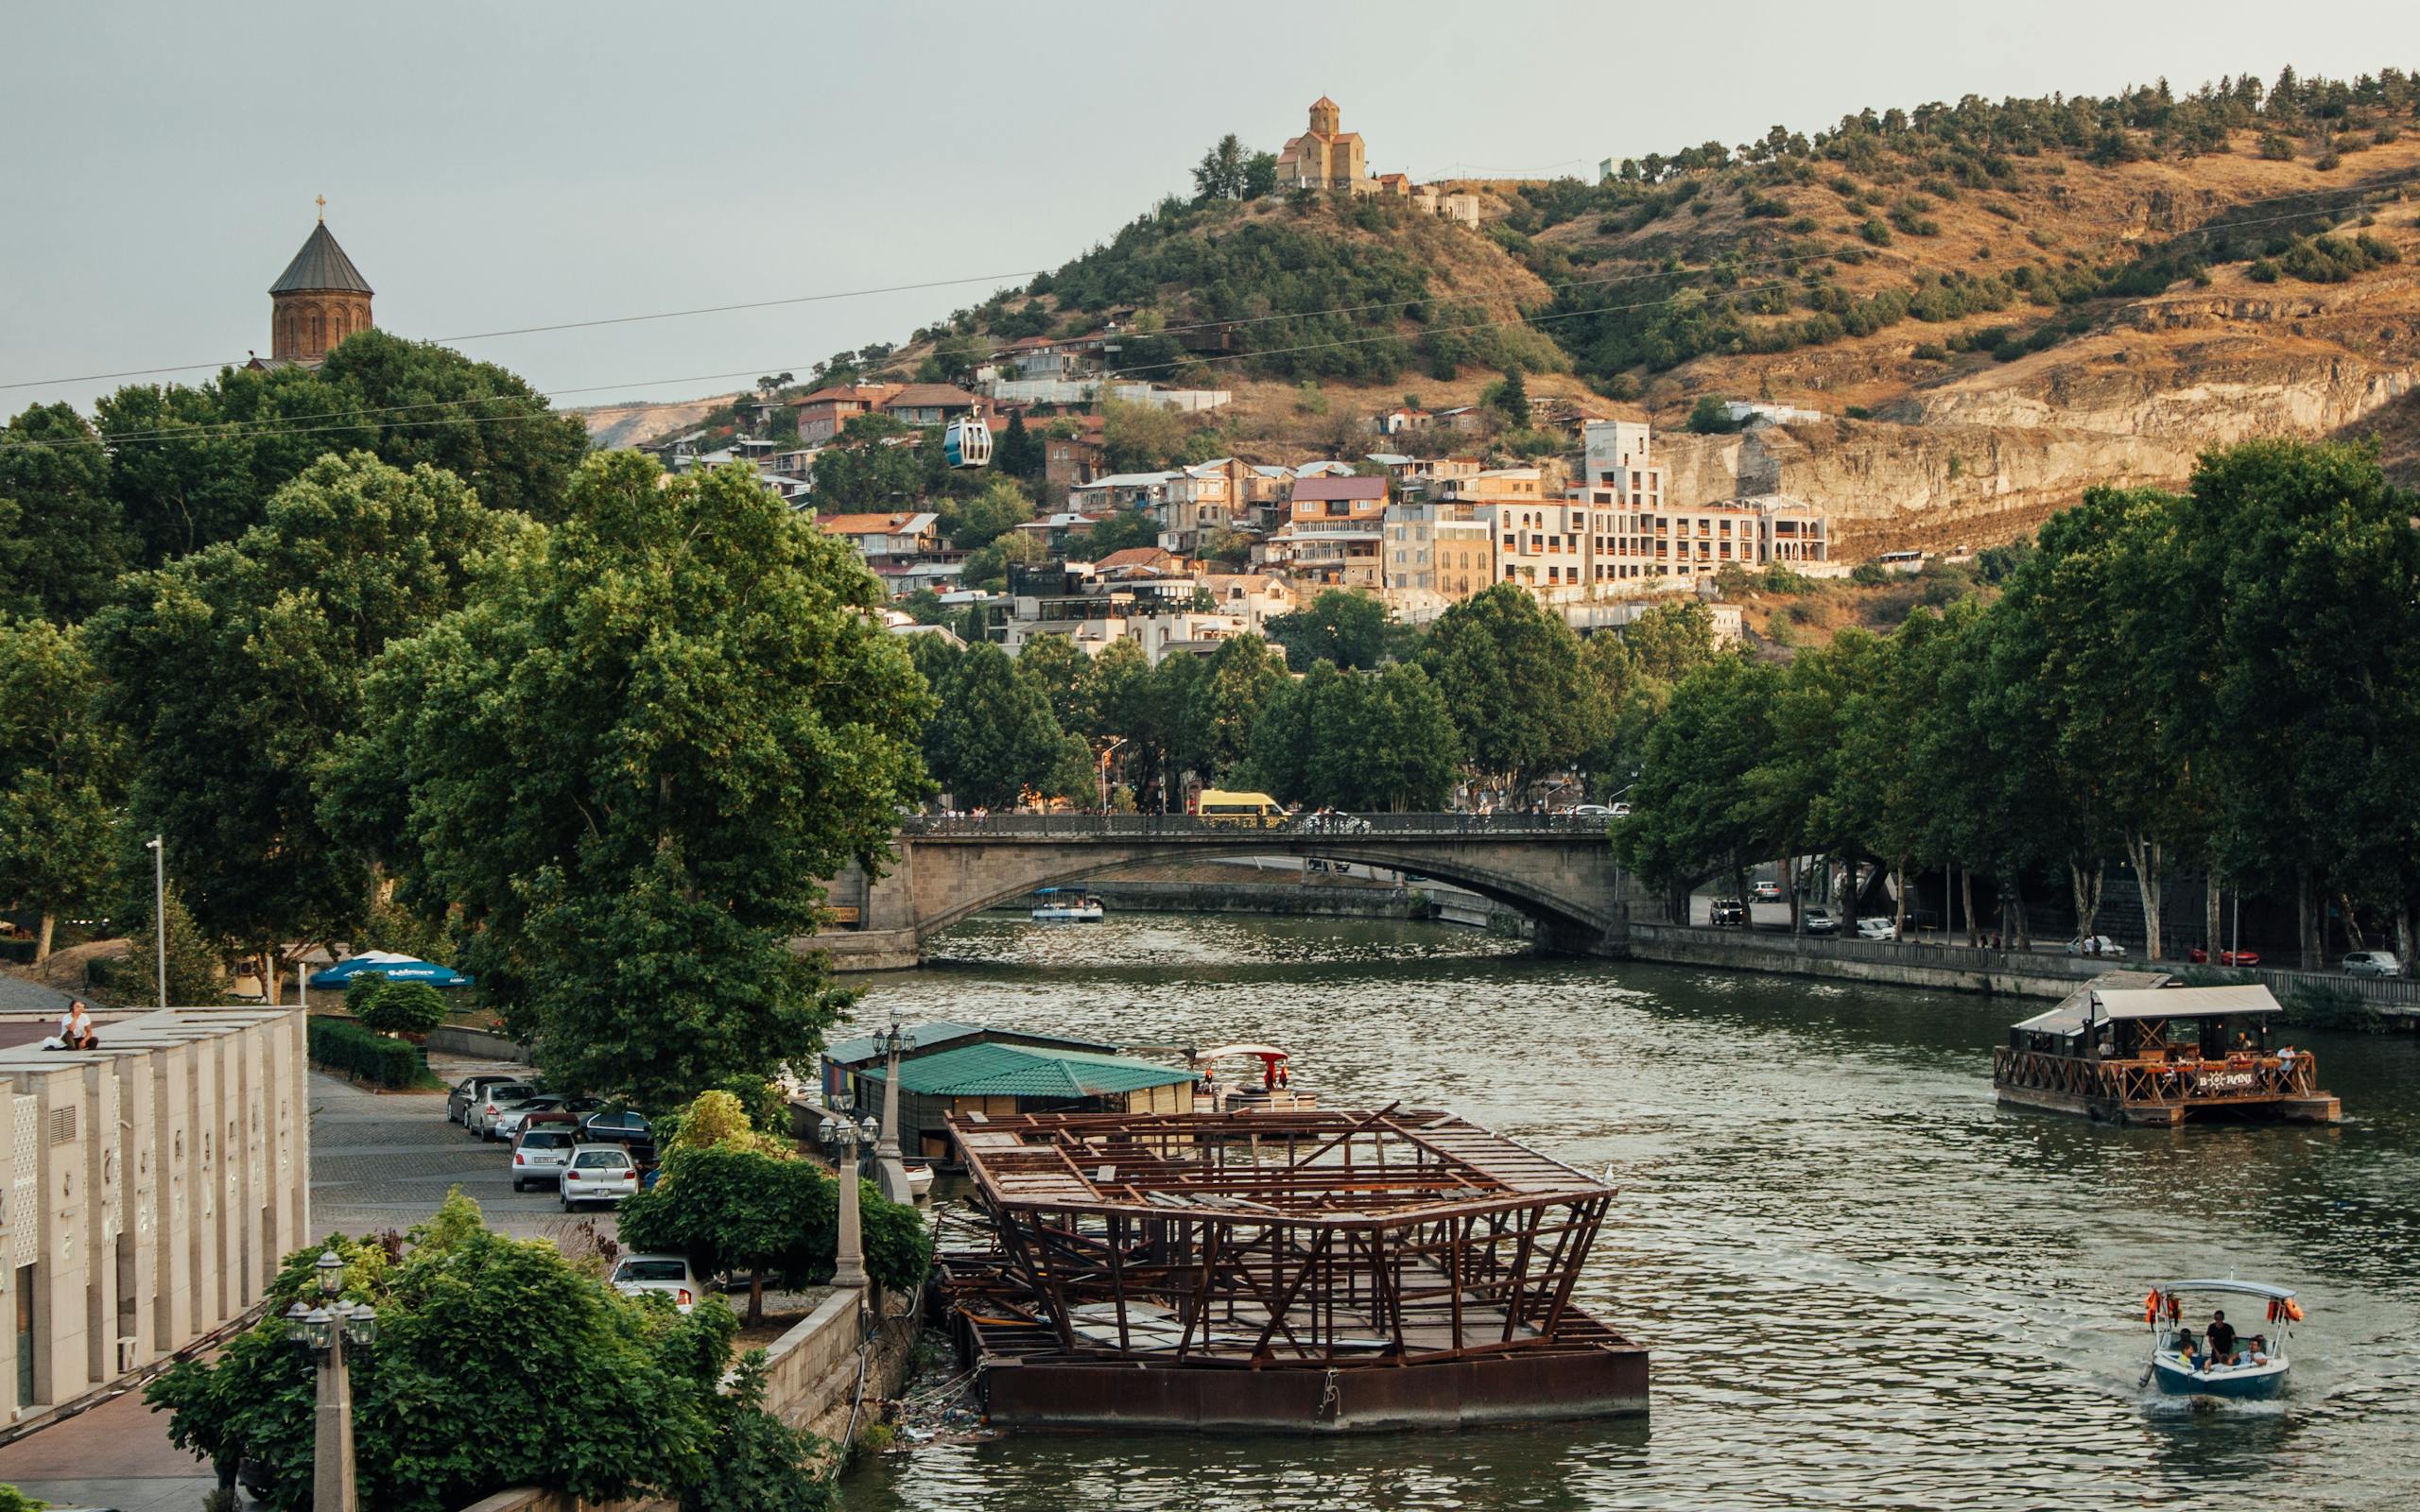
1326,156
318,301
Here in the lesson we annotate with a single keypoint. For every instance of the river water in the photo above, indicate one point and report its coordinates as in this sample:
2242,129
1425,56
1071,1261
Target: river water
1861,1281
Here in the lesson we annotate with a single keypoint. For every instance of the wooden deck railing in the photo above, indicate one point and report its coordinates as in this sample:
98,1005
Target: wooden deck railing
2234,1080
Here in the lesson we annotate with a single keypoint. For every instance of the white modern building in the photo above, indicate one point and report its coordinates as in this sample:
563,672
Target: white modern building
153,1185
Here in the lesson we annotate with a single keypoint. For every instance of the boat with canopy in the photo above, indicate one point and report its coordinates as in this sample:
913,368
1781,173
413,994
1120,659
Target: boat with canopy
2196,1353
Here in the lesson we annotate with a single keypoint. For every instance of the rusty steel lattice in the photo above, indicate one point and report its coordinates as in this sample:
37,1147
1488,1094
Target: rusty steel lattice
1321,1239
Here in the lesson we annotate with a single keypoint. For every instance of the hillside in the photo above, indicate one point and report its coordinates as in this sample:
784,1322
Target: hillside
1993,306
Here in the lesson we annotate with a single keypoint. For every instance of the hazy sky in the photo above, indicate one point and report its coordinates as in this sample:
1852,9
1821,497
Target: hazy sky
508,165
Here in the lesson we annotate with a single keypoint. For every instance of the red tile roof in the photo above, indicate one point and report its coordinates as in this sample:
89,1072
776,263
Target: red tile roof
931,396
1137,556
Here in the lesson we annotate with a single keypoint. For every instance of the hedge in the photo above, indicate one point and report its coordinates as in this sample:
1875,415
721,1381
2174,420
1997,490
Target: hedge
340,1045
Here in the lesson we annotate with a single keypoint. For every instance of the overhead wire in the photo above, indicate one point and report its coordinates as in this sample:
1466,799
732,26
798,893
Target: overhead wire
353,419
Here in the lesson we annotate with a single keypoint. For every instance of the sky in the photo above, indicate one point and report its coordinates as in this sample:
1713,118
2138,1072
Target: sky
493,166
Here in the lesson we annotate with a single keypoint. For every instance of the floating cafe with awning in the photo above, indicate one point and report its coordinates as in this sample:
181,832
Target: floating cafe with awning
2140,1047
1290,1269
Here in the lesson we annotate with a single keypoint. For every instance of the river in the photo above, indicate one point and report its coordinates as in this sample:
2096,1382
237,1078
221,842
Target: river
1863,1282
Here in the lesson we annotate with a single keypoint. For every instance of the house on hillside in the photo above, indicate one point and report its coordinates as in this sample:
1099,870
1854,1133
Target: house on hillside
933,405
1122,491
1070,461
824,413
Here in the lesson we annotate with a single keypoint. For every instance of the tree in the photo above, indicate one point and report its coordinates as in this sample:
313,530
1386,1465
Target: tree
868,471
1140,438
1063,672
403,1009
1260,175
519,454
1019,456
1243,676
995,736
1510,399
1708,418
1224,171
1671,639
1357,740
1695,813
629,760
1349,629
235,670
627,1408
197,966
988,567
61,776
1122,530
999,508
1510,673
63,539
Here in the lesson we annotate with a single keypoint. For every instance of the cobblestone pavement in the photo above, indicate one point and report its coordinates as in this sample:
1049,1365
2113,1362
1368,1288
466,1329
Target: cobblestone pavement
383,1160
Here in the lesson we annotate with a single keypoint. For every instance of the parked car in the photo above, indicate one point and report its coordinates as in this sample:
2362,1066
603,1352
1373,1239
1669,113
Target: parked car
546,1107
1817,919
1726,911
2095,945
2373,963
494,1100
598,1173
1765,892
1621,811
1878,928
665,1275
2200,956
539,1155
470,1089
626,1129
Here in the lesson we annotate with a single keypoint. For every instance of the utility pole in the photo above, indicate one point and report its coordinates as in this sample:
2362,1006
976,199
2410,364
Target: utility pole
158,846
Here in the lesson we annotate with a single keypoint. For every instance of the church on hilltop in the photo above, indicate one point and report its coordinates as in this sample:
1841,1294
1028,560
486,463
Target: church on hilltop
1325,156
318,301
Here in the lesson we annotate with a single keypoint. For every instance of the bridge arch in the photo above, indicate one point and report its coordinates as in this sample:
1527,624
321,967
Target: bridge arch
1496,871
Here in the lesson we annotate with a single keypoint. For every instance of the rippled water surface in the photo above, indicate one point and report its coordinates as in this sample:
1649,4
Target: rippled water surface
1861,1281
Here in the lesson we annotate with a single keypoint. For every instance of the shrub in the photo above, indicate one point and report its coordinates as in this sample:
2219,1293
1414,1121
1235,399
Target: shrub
402,1008
2276,147
1931,351
1706,418
360,988
2323,1006
339,1045
1875,232
2262,271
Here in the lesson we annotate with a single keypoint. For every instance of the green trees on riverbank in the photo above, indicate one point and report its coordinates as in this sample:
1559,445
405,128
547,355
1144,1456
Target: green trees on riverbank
2226,680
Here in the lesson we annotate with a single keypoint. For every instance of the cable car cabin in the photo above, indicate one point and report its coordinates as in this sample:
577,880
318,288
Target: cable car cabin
967,443
2139,1047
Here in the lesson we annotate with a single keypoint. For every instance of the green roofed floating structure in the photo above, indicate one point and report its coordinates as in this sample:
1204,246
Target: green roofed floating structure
1001,1078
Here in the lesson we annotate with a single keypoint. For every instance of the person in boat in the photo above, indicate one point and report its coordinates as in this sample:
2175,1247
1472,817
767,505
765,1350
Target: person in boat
2221,1337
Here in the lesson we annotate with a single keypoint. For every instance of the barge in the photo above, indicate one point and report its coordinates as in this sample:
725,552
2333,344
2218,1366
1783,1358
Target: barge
1295,1270
2139,1047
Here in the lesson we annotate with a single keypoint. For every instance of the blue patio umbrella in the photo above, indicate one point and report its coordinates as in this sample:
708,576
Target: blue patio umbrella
392,967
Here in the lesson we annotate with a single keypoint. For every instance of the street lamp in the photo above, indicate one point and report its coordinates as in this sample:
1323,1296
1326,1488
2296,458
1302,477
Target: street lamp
889,1169
327,1330
158,846
842,1136
1106,752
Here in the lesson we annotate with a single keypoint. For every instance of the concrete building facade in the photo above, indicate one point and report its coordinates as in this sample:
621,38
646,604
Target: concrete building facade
153,1186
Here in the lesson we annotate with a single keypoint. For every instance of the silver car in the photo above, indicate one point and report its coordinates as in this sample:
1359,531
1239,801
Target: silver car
598,1173
494,1100
470,1089
667,1275
539,1156
2373,963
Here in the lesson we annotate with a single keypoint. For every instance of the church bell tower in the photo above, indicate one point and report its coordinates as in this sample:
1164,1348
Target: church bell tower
318,301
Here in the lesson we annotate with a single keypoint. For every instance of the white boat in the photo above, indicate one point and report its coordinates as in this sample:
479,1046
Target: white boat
2187,1363
919,1178
1075,908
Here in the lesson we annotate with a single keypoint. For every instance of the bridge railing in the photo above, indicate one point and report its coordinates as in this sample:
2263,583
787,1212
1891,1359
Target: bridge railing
1159,826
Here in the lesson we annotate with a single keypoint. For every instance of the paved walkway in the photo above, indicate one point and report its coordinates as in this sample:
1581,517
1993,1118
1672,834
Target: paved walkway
379,1161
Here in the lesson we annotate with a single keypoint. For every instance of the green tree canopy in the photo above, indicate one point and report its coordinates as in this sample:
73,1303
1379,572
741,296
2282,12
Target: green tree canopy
629,758
1510,673
236,669
62,536
62,775
1352,629
995,737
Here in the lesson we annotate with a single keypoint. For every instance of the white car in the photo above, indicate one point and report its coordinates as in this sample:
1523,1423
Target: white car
665,1275
598,1173
1876,928
539,1156
1589,810
2373,963
2096,945
1817,919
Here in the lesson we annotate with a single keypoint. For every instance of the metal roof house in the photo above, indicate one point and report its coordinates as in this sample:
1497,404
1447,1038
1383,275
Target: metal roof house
963,1075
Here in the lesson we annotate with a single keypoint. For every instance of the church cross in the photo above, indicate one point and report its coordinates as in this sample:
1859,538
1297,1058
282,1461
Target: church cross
323,210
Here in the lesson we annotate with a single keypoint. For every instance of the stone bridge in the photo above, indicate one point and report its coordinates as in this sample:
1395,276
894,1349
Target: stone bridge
1557,871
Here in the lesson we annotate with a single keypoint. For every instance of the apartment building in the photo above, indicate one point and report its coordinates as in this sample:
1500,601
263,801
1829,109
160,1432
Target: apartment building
1334,535
1438,547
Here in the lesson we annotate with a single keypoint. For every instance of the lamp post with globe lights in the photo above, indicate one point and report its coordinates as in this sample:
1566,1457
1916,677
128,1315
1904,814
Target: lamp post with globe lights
328,1331
889,1168
842,1136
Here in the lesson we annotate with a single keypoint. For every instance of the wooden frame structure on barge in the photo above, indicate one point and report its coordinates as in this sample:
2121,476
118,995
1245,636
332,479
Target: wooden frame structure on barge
1314,1269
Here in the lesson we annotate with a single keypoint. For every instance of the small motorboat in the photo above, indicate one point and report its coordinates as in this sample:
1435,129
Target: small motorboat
2219,1359
1071,908
919,1178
